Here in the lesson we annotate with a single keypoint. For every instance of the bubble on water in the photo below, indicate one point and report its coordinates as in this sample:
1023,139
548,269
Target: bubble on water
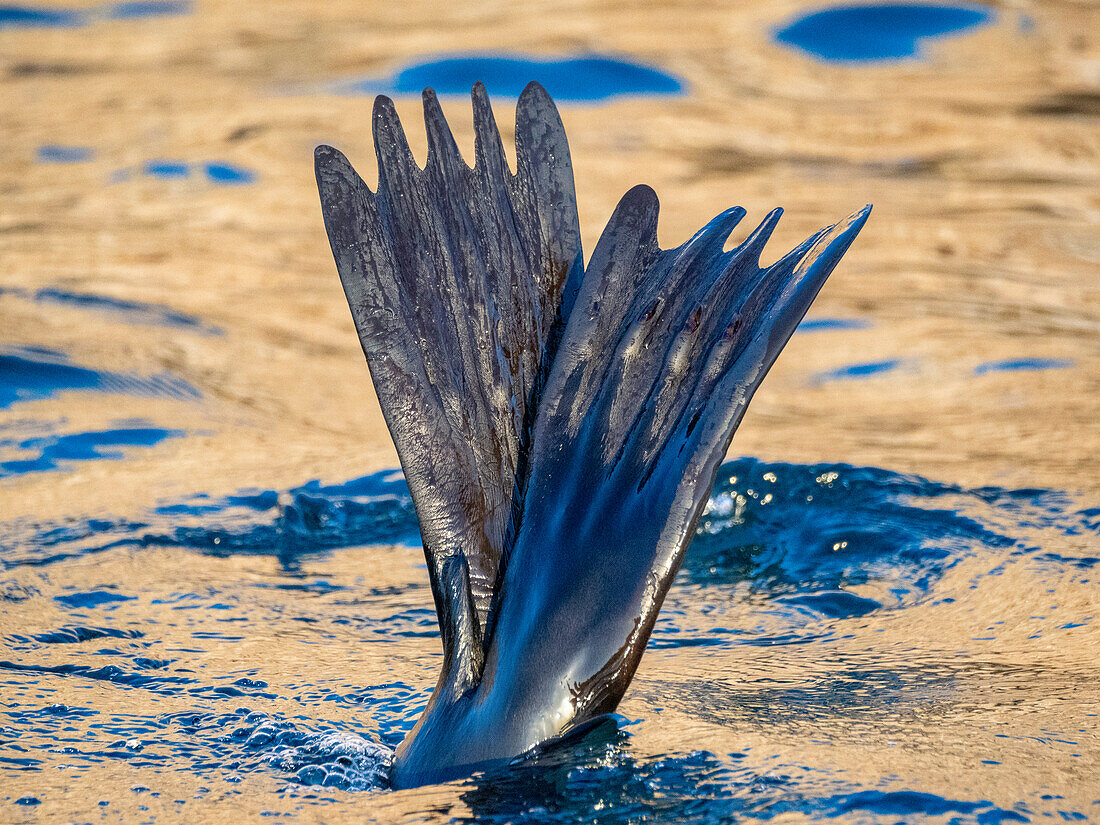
337,759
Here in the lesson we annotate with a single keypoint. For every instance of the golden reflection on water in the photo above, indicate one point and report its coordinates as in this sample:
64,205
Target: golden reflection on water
982,163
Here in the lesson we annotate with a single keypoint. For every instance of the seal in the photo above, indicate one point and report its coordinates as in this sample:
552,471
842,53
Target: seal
560,426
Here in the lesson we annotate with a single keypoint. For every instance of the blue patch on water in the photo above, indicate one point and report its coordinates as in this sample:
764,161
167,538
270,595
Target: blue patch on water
33,373
56,153
135,312
135,9
823,324
877,31
913,803
29,17
91,598
836,604
300,523
862,370
166,169
228,173
505,75
1023,365
71,634
56,452
36,17
219,172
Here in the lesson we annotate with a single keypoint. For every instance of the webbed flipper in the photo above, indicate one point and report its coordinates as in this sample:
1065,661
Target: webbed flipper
459,281
560,430
662,354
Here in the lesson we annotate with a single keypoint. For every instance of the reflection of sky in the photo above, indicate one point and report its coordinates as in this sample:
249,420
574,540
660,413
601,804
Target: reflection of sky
877,32
1023,365
505,75
864,369
216,171
56,153
35,17
57,452
823,324
31,374
132,312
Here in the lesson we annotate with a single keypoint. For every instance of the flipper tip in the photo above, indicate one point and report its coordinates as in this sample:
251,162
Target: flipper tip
325,154
328,160
534,89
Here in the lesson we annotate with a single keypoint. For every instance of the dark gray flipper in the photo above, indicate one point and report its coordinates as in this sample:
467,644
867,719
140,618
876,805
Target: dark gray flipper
560,435
459,281
661,357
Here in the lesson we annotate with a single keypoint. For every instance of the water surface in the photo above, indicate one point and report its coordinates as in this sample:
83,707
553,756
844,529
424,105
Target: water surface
876,32
169,678
585,78
889,616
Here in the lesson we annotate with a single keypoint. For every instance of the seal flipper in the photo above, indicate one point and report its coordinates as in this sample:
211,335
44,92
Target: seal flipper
456,280
662,354
558,469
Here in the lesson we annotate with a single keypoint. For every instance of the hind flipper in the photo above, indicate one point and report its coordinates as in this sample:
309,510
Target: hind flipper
662,355
459,282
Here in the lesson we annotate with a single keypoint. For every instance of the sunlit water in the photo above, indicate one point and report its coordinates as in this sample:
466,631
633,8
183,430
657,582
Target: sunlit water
193,630
285,670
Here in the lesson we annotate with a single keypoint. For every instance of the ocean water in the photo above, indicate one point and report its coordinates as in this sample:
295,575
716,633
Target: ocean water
18,16
130,311
53,451
160,677
213,599
876,32
571,79
33,373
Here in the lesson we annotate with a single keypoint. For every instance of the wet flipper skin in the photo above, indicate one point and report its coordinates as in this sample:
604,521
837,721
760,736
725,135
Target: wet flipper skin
560,430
